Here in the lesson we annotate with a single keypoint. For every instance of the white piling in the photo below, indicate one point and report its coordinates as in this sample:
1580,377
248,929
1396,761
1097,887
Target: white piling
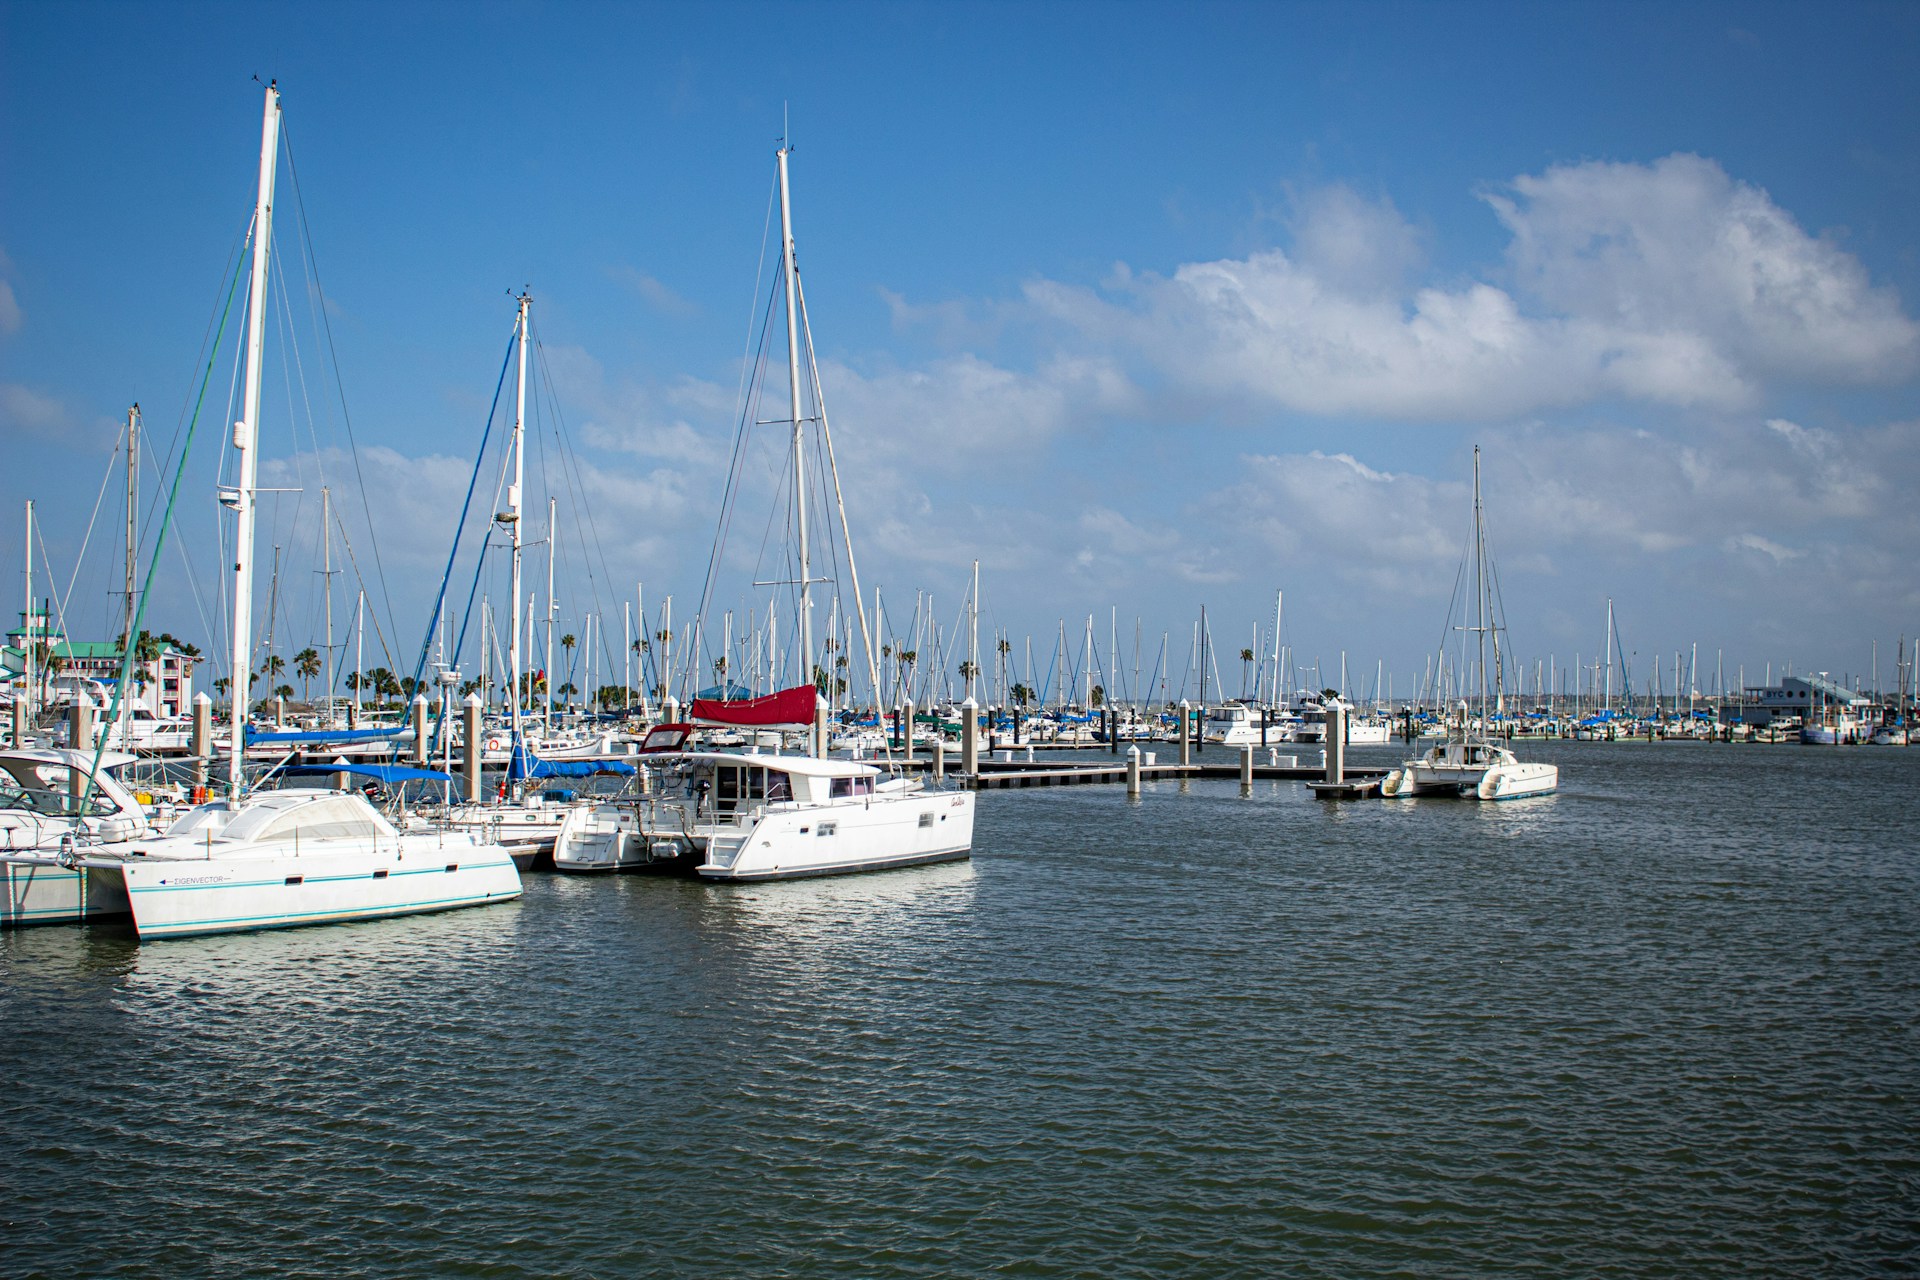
419,730
470,751
1186,733
1133,773
201,741
1246,769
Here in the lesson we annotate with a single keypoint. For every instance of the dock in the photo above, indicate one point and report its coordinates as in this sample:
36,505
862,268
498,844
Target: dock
1003,774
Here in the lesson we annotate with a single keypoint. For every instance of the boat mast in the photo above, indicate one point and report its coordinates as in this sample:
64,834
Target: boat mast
326,573
29,643
511,516
792,270
245,442
1273,690
133,511
546,716
1607,704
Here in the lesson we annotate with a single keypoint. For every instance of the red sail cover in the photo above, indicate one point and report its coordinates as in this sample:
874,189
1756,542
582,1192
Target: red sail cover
787,709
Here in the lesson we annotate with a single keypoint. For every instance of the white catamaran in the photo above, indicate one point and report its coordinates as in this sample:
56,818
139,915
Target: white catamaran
267,859
1469,761
744,815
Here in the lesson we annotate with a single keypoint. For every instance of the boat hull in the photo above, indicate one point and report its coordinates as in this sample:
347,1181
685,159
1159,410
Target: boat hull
176,898
38,890
897,831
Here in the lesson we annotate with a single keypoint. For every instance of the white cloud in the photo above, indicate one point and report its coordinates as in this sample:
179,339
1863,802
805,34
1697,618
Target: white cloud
24,410
1668,283
1678,248
10,318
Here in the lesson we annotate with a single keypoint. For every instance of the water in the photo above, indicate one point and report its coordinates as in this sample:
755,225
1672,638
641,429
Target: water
1660,1024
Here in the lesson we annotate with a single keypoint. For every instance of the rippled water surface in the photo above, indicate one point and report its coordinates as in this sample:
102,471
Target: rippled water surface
1660,1024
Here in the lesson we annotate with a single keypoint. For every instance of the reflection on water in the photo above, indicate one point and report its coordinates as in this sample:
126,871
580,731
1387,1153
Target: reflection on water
1660,1023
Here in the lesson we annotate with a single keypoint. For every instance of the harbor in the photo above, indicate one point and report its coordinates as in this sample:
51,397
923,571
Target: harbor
893,643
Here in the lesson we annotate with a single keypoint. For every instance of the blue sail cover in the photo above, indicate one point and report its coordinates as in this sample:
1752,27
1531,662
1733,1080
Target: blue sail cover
385,774
318,737
525,764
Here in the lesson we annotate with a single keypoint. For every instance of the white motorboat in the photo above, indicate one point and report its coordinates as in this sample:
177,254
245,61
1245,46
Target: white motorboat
1239,724
1362,731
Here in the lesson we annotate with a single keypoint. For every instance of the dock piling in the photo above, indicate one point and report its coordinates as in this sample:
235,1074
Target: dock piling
1133,773
1186,734
470,752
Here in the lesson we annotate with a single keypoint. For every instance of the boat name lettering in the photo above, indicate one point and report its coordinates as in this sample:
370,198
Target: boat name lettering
199,880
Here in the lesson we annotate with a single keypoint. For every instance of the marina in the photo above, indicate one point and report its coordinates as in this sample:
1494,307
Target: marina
855,641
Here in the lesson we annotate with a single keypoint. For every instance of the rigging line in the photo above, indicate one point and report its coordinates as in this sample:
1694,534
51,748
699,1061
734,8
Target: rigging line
105,475
576,482
459,529
153,564
346,415
736,464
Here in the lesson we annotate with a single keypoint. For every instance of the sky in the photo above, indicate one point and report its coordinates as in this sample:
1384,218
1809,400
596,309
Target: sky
1147,308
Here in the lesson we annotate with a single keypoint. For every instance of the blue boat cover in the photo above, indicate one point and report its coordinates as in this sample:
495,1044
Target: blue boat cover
320,736
525,764
386,774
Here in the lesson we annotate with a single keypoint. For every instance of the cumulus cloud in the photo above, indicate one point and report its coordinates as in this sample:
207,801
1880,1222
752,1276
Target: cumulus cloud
24,410
1668,283
1680,248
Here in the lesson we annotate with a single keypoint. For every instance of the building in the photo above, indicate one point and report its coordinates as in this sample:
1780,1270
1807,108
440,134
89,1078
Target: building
1805,698
88,670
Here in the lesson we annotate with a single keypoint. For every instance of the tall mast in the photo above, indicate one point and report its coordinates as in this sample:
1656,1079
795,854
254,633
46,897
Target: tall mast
326,573
973,631
511,517
1607,705
792,270
546,718
246,434
1274,693
133,513
29,644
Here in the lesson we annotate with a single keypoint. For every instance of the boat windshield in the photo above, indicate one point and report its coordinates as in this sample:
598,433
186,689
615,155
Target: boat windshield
330,818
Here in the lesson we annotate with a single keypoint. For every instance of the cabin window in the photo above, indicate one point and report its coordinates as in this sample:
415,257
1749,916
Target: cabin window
926,819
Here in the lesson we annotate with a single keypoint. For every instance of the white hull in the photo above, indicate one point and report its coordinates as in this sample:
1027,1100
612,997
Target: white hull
172,898
866,834
38,890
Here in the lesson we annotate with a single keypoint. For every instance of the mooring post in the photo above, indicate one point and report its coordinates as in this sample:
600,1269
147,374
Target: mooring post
80,738
1186,730
939,758
1336,742
1246,770
906,729
970,737
470,752
1133,773
419,730
201,740
20,721
279,713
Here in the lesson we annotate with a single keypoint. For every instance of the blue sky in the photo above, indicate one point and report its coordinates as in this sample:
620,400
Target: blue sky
1146,307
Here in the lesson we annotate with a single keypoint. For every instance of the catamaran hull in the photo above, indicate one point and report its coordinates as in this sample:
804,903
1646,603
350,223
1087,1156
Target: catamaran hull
934,826
842,869
177,899
38,890
1498,782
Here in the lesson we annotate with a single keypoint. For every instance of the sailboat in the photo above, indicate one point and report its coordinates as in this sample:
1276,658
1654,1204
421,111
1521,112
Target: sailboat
272,859
751,815
1468,761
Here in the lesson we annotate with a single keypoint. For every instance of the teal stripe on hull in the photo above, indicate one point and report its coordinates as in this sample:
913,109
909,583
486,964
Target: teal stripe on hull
238,924
275,884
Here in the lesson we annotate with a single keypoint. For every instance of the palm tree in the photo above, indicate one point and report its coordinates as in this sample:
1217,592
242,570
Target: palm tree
1246,666
306,664
273,666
